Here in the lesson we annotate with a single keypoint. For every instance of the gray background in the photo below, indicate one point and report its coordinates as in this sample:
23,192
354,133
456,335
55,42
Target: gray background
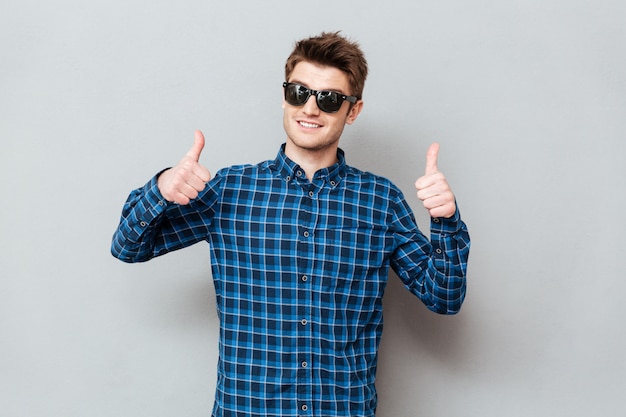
528,101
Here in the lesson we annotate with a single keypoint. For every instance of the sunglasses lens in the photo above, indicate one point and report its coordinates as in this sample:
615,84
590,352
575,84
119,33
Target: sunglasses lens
329,101
296,95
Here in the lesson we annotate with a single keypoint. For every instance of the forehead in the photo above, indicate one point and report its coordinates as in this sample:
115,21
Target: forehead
320,77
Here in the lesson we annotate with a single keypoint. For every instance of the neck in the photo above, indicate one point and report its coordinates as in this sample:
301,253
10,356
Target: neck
311,160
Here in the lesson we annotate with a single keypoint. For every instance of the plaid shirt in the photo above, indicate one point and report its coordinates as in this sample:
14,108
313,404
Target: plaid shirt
299,269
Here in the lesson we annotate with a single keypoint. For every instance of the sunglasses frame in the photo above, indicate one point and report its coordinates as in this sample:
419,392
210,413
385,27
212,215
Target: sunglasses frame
319,97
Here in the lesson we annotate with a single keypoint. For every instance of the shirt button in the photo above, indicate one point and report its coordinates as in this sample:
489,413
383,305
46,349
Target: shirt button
305,364
299,173
436,220
306,234
304,278
311,193
303,322
143,224
304,407
438,251
333,183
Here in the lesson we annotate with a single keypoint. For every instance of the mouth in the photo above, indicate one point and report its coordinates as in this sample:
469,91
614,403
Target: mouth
308,125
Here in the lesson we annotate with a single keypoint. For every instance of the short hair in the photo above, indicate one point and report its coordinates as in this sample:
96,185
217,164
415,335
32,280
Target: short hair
333,50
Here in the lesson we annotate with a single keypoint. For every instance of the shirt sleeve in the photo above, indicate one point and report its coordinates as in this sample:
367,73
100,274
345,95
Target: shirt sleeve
151,226
436,270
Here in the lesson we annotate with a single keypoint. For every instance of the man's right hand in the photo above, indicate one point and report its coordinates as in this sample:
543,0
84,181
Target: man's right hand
182,183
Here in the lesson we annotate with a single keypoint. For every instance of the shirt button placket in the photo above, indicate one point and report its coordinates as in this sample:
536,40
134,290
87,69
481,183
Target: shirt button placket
306,224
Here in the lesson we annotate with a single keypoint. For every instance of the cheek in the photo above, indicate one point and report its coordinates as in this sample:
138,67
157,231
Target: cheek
286,120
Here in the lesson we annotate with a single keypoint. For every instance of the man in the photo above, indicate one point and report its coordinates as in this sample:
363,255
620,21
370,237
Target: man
301,248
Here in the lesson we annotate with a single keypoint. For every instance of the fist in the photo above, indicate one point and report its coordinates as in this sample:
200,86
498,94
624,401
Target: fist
182,183
433,189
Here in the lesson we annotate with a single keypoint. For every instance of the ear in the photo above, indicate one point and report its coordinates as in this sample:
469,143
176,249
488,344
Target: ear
354,112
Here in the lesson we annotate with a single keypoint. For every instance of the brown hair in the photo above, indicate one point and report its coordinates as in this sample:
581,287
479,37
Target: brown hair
333,50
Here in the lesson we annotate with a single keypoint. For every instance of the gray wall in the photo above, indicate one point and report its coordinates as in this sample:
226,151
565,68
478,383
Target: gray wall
528,101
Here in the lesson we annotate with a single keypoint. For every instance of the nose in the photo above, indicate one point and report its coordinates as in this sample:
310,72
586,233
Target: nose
310,107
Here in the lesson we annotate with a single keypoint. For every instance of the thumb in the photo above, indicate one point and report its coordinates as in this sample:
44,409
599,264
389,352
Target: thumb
198,145
431,159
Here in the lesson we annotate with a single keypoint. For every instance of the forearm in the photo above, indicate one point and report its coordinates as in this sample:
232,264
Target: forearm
446,276
150,226
135,239
435,270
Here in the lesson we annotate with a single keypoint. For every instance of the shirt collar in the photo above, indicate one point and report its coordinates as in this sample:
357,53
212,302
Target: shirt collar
289,170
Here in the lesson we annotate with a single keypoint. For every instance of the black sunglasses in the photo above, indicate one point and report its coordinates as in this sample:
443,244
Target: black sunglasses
327,101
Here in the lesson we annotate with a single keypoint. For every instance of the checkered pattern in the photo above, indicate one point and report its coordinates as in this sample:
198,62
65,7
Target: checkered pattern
300,268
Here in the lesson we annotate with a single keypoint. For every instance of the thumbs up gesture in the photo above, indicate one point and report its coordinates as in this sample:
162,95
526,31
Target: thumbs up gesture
433,189
182,183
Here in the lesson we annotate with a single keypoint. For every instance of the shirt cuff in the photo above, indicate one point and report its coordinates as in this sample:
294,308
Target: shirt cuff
444,225
153,203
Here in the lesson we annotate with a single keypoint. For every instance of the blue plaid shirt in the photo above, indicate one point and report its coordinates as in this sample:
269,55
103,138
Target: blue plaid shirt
299,269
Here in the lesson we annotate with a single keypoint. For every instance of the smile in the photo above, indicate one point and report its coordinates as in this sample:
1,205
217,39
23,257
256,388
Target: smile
309,125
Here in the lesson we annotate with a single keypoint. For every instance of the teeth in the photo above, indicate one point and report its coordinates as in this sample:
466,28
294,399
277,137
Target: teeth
309,125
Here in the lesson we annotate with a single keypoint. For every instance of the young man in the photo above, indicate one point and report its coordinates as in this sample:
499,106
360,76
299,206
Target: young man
301,248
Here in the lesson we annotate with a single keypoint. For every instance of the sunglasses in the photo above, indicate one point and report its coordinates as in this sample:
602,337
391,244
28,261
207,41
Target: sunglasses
327,101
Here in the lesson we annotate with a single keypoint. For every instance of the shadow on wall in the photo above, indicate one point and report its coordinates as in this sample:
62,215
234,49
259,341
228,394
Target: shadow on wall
417,344
413,331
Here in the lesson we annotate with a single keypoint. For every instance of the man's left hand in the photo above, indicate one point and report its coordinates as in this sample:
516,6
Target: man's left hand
433,189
